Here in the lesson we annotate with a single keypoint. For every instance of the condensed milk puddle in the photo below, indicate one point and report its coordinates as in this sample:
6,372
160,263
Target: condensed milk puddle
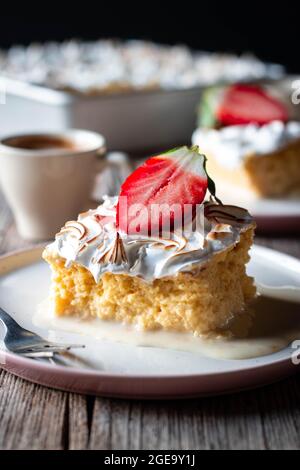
276,324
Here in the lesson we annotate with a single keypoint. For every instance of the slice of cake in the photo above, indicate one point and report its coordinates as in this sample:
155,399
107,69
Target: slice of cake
264,160
123,262
249,141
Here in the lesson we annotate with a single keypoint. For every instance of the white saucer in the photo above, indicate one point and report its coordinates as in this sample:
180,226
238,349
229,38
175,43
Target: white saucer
124,370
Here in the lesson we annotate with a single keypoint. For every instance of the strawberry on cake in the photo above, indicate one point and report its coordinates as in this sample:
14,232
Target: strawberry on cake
127,262
249,140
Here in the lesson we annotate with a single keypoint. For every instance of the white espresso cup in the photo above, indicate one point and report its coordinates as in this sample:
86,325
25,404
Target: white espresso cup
48,178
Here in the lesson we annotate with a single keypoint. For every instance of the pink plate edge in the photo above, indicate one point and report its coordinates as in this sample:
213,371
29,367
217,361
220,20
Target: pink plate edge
146,387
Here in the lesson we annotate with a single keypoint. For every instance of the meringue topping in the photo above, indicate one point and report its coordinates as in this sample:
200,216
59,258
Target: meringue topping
78,230
95,243
116,253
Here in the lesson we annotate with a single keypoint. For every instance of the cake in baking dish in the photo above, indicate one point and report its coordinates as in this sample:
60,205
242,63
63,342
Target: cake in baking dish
123,264
249,141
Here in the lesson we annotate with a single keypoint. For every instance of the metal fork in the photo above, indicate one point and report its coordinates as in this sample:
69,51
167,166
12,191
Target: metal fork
27,344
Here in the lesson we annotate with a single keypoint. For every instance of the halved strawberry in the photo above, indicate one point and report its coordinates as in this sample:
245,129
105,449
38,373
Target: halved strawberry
245,104
172,180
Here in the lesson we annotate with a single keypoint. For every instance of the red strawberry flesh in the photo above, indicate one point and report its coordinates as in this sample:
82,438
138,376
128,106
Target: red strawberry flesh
244,104
175,178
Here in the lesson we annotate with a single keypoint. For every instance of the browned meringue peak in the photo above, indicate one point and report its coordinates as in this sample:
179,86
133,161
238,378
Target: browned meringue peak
217,235
227,214
219,232
79,231
116,253
76,228
88,242
181,249
164,242
222,228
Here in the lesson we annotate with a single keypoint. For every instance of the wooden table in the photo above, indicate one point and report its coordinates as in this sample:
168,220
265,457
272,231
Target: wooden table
33,417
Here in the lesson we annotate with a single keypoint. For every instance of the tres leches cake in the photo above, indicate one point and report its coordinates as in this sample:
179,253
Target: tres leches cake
249,141
120,263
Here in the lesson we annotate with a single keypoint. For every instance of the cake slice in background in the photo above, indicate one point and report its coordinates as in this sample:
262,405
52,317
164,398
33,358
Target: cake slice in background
191,279
249,141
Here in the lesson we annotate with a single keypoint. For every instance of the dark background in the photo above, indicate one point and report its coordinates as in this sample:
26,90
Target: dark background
272,35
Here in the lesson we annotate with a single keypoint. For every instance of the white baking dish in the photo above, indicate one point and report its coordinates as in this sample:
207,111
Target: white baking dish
133,121
137,122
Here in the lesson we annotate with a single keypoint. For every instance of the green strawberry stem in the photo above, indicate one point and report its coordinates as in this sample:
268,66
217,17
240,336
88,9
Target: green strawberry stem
211,184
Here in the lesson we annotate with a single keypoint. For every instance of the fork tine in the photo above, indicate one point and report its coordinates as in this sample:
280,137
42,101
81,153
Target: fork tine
54,359
38,355
48,349
70,346
26,343
58,358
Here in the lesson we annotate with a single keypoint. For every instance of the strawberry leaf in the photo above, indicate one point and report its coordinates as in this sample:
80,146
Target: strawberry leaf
211,184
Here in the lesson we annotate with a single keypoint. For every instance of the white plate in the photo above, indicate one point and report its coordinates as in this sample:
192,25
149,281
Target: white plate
124,370
270,214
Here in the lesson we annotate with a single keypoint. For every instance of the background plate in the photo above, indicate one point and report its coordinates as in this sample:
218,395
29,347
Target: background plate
271,215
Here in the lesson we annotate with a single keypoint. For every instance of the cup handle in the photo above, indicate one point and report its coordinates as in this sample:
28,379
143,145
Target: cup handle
101,161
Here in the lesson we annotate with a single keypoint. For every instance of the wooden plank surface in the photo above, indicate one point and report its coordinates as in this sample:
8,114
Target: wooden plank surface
33,417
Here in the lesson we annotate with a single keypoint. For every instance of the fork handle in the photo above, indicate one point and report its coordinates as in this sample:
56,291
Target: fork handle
7,320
